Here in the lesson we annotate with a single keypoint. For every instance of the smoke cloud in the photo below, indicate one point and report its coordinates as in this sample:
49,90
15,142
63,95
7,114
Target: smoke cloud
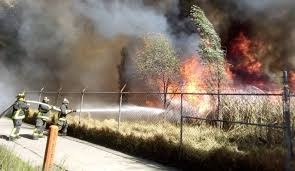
265,4
77,44
270,22
131,18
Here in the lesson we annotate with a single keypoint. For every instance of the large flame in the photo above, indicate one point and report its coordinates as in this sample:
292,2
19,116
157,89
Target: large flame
292,80
193,80
194,75
242,49
244,55
244,69
191,73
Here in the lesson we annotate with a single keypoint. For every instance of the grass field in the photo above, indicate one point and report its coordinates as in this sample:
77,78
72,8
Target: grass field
9,161
205,147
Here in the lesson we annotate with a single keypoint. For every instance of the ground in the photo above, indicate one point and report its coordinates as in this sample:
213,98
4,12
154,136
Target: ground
73,154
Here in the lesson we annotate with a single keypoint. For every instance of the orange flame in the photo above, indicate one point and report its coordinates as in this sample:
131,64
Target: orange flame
292,80
241,48
193,73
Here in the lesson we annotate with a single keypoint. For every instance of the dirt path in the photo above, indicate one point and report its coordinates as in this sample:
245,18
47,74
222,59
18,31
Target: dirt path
73,154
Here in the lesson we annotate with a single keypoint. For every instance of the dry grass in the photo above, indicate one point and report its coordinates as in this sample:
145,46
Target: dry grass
9,161
255,109
205,147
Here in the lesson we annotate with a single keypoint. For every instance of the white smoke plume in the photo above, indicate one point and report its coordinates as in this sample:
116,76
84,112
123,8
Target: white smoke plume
131,18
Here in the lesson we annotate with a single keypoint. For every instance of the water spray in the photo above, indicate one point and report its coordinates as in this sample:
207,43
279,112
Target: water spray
106,110
125,109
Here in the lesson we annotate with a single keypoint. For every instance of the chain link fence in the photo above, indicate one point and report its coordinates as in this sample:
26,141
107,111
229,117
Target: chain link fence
142,114
259,117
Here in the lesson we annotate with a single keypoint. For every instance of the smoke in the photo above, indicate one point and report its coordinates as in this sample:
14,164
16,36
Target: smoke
275,26
6,79
269,22
77,44
131,18
266,4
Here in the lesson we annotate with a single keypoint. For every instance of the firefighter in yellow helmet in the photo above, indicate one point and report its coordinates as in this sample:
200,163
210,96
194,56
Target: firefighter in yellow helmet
62,120
18,114
41,119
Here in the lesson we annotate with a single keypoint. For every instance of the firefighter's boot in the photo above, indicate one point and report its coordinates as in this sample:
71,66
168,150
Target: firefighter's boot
35,134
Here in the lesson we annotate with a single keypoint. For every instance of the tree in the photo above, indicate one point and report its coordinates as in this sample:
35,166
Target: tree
210,51
157,62
210,46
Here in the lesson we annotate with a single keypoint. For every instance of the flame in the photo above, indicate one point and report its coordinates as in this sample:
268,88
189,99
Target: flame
292,80
242,48
244,55
194,77
193,74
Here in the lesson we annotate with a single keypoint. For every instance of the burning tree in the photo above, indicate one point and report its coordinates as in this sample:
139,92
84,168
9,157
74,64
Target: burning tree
210,52
157,62
210,45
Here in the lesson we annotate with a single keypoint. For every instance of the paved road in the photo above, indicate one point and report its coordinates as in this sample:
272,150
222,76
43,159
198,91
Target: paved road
73,154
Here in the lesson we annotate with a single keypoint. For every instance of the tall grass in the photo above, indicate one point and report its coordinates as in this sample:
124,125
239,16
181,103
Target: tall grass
254,109
205,146
9,161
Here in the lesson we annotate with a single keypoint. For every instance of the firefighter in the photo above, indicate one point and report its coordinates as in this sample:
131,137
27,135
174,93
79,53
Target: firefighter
62,120
42,118
18,114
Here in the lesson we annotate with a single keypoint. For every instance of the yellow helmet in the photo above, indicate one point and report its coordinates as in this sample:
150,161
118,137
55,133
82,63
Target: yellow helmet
21,95
45,99
65,101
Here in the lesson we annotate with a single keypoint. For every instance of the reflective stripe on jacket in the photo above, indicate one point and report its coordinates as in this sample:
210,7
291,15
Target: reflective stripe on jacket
62,119
43,116
19,108
18,114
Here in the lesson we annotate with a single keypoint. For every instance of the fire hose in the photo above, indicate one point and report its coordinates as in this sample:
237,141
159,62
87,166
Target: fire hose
49,106
5,112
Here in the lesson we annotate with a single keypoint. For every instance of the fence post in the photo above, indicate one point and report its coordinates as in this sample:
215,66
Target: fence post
57,96
181,125
81,104
120,106
220,117
41,92
50,148
286,115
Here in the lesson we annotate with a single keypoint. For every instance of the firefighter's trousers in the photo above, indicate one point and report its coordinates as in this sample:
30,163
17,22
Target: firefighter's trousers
62,126
39,128
17,123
